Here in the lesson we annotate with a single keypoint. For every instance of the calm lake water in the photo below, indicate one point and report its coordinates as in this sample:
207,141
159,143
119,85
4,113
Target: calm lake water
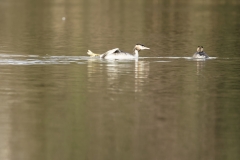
59,104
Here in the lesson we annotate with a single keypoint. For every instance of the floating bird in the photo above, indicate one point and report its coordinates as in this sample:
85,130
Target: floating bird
118,54
200,53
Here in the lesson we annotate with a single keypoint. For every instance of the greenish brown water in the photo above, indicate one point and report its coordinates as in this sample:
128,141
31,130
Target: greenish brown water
58,104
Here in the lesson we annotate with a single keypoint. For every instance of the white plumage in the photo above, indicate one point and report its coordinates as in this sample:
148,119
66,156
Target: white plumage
118,54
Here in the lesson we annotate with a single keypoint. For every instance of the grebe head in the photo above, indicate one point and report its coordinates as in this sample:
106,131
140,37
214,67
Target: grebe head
140,47
201,48
198,49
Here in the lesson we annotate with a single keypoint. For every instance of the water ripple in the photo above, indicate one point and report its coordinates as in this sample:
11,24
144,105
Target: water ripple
37,60
6,59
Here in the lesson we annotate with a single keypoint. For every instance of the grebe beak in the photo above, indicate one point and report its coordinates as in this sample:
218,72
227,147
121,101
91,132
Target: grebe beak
145,47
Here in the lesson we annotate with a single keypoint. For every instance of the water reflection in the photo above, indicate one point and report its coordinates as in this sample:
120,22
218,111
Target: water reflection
142,69
115,72
200,66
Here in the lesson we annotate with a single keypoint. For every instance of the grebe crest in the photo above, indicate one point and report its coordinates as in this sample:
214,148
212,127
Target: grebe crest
198,49
200,53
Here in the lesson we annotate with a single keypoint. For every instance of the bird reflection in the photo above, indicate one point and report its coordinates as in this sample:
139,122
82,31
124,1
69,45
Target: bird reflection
200,66
141,74
118,75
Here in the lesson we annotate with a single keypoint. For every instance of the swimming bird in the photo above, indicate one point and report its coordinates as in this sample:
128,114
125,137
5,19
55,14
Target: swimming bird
118,54
200,53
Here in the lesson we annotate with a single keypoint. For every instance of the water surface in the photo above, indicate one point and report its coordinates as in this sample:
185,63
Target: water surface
57,103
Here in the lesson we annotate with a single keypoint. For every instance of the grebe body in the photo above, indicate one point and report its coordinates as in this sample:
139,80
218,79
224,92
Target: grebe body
118,54
200,53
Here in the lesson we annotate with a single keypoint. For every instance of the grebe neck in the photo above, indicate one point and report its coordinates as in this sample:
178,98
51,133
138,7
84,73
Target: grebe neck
135,53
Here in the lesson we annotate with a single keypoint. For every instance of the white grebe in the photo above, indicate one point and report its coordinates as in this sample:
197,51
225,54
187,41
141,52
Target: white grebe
118,54
200,53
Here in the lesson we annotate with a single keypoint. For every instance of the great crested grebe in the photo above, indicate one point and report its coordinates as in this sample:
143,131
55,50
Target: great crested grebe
118,54
200,53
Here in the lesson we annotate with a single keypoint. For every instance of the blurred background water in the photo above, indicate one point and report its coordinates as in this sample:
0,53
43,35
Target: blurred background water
56,103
